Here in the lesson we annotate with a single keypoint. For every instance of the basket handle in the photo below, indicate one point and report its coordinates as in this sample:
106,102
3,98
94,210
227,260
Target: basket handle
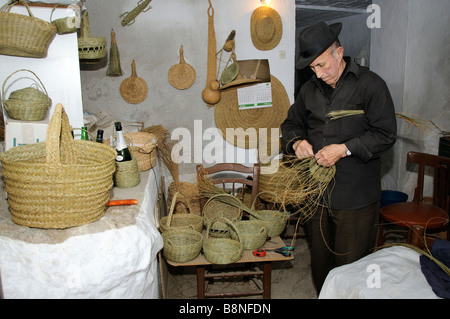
3,86
239,203
257,195
59,144
230,223
16,2
172,208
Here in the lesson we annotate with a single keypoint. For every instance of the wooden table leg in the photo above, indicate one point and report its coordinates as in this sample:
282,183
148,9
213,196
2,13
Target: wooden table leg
201,282
267,278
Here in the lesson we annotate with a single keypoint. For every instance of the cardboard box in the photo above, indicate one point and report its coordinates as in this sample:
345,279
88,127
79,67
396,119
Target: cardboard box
24,132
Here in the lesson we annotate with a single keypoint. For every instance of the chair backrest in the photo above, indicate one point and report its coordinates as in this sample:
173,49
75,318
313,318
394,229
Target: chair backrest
441,171
232,173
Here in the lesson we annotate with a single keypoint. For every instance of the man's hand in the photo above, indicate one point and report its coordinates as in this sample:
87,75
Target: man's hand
303,149
330,154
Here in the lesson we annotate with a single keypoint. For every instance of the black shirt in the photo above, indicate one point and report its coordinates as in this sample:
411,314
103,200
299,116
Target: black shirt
367,136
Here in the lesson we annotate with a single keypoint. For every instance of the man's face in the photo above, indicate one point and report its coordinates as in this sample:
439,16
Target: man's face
326,66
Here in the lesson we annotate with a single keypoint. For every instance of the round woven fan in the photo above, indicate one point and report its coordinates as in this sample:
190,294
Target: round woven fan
181,75
228,115
134,89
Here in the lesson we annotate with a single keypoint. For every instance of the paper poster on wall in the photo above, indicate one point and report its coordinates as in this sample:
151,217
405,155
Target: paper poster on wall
257,95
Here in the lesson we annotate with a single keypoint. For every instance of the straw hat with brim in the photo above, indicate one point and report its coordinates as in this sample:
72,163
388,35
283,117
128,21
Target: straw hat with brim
314,40
228,115
266,28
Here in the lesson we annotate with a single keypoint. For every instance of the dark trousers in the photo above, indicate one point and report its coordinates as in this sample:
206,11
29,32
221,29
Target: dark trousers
339,237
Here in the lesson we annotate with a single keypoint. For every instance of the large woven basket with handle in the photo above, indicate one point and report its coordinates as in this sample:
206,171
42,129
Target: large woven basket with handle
22,35
58,183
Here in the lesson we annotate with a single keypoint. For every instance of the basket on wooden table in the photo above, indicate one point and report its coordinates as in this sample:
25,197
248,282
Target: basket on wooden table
222,250
214,208
27,104
24,35
180,220
274,220
58,183
181,245
253,233
188,200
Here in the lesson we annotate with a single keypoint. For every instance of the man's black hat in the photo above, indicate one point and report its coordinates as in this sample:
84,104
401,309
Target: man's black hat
314,40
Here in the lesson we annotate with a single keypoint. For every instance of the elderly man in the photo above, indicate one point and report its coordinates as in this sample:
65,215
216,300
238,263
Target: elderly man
344,228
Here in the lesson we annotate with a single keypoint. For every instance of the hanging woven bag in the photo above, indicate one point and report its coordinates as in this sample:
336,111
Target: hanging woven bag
22,35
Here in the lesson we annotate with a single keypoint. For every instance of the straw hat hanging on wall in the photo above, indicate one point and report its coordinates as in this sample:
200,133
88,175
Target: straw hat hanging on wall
266,28
228,115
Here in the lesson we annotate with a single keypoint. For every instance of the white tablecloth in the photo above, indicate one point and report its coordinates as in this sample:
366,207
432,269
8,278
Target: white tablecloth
389,273
115,257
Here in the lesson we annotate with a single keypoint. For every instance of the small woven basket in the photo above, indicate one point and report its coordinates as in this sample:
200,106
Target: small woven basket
27,104
215,208
181,245
180,221
127,173
189,201
253,233
90,49
223,250
64,25
274,220
143,147
24,36
58,183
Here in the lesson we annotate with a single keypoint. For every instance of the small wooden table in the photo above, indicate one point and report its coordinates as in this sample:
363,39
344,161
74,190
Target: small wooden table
201,263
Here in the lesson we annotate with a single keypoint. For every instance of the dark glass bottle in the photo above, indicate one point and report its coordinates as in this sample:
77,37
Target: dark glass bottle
123,153
99,136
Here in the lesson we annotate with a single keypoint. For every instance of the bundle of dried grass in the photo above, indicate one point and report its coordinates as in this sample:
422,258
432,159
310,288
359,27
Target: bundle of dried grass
412,119
299,184
164,145
114,68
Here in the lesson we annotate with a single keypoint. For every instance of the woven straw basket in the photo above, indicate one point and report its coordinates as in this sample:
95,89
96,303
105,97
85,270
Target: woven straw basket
188,201
28,104
223,250
90,49
215,208
143,146
274,220
180,221
253,233
127,173
181,245
58,183
64,25
25,36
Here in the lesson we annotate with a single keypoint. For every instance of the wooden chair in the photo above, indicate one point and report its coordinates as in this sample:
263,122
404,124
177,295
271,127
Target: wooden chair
232,173
234,179
431,216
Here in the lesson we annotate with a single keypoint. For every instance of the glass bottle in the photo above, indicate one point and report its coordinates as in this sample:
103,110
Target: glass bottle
99,136
84,134
123,153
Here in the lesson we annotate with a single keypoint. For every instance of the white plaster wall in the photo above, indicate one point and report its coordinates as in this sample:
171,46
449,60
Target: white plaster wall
154,40
411,52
